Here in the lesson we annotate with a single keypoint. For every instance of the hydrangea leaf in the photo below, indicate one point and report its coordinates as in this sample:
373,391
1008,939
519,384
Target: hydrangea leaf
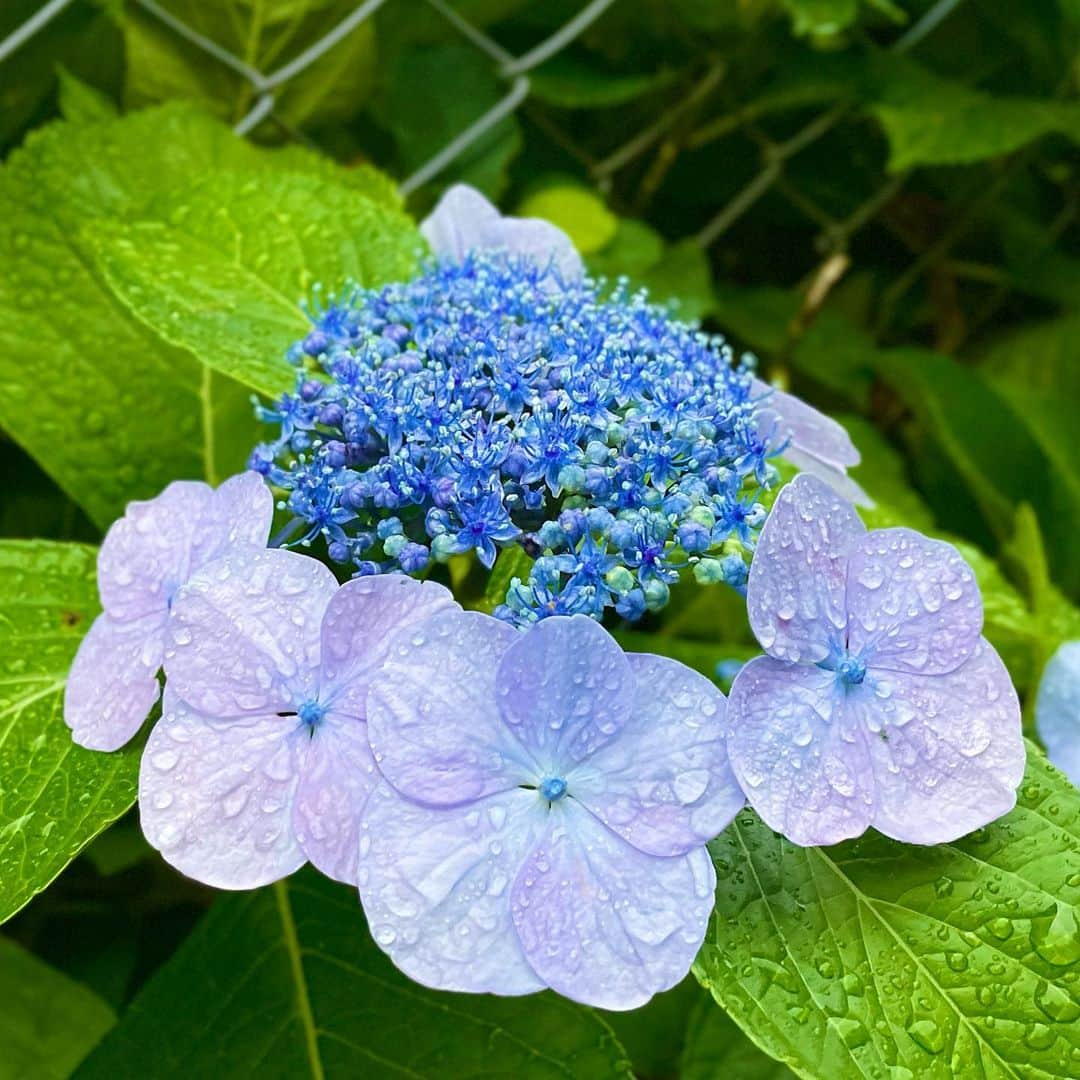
715,1047
221,268
571,83
49,1022
289,974
873,958
54,796
821,17
79,101
423,118
163,66
115,413
965,413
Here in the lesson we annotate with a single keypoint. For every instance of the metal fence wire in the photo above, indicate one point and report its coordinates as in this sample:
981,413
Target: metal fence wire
514,70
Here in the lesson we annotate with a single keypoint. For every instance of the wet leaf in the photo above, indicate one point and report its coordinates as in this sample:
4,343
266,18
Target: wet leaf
54,796
299,987
877,958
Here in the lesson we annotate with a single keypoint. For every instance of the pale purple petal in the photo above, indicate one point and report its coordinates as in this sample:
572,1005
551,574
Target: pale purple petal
541,241
337,774
113,682
602,922
360,620
809,430
947,750
215,798
913,603
795,595
239,514
799,755
146,555
243,636
1057,710
464,221
432,713
565,689
665,783
435,884
459,222
844,486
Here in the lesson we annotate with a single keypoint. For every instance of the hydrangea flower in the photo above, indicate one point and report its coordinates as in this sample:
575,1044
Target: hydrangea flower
144,559
1057,710
487,404
465,221
546,806
260,760
879,702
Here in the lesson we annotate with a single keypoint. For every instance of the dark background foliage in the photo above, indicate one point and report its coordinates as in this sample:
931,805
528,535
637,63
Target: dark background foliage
877,197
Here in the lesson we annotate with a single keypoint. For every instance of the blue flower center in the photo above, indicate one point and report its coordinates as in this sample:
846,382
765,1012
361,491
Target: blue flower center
850,670
311,712
552,788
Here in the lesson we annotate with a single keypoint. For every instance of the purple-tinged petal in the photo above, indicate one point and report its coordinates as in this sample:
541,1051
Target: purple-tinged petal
913,603
844,486
435,884
360,620
464,221
947,750
239,514
541,241
432,713
603,923
665,783
459,222
215,797
337,775
800,756
146,555
810,431
795,596
566,689
113,682
1057,710
243,636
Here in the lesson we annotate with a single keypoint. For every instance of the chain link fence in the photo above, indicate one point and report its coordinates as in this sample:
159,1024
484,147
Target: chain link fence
681,118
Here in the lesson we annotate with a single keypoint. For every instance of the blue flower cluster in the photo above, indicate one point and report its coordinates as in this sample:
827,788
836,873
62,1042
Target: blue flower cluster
488,403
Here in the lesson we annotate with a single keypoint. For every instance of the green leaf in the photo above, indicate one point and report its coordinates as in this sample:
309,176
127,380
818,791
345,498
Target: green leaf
579,212
873,958
513,562
80,102
682,277
424,116
930,120
1008,444
653,1035
572,83
288,979
162,65
715,1047
821,17
83,38
49,1022
54,796
634,248
222,269
108,410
